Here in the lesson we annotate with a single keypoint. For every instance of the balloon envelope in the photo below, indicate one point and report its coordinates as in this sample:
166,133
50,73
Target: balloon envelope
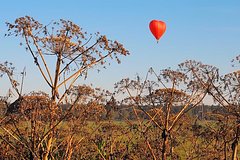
157,28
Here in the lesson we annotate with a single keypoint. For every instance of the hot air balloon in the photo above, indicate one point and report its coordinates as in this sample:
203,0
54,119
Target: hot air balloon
157,28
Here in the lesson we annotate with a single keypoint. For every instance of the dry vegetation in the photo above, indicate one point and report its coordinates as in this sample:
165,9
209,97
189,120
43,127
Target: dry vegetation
160,117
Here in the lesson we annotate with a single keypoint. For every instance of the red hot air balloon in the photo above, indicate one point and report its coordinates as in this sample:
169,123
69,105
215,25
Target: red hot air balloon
157,28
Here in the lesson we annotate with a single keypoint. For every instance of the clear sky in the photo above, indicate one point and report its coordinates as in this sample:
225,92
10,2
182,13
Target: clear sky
202,30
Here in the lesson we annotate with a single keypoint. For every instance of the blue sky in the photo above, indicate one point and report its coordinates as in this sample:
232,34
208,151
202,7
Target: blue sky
203,30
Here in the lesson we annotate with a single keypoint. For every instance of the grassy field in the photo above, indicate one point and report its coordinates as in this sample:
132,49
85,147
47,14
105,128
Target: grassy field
129,140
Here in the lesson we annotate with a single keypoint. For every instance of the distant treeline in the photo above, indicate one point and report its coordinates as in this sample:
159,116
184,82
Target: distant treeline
122,112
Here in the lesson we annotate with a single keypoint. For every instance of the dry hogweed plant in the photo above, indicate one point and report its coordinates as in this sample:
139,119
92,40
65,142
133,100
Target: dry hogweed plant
166,100
226,94
8,69
219,135
74,52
